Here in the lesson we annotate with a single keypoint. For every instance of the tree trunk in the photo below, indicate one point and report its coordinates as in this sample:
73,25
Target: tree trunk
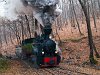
28,26
76,18
90,39
4,33
93,14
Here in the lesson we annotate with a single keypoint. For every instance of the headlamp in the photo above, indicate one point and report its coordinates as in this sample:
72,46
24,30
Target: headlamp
42,52
56,52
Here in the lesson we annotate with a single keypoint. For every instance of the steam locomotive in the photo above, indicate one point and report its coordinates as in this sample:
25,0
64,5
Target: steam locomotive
41,50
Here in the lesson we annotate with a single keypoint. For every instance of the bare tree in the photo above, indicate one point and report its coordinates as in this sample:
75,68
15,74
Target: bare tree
28,26
93,14
90,39
71,1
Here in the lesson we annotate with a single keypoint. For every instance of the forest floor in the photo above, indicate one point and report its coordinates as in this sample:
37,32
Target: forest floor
75,53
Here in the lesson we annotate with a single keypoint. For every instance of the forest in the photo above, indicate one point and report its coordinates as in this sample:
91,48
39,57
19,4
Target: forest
76,30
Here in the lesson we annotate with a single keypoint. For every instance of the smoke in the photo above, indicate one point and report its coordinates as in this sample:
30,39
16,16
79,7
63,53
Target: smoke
45,11
12,8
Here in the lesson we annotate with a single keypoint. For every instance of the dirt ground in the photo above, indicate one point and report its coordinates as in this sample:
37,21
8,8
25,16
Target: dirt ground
75,52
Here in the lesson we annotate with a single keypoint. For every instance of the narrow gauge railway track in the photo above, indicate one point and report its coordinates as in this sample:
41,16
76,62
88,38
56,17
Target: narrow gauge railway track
37,71
59,71
54,71
30,67
80,70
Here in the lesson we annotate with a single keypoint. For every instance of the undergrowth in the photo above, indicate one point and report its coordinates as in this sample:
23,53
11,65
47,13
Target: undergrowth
3,64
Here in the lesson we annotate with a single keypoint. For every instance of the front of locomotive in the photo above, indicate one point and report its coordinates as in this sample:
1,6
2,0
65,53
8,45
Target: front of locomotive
51,56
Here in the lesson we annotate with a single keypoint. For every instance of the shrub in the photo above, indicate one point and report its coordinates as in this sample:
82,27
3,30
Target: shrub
0,54
27,48
3,64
